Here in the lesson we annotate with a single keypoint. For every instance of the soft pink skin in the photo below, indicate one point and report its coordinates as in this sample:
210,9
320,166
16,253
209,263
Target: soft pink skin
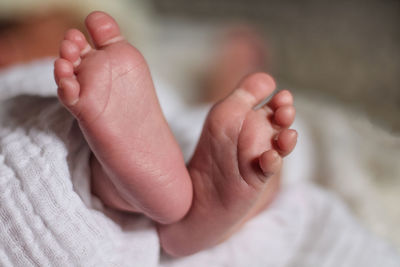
111,94
136,163
235,165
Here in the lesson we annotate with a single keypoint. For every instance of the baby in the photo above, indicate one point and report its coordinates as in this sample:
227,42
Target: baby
136,163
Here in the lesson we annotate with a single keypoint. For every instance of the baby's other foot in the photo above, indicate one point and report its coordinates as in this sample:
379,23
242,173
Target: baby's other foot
235,166
108,88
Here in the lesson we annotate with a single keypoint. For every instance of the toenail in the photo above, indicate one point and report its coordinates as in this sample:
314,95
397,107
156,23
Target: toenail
243,93
275,154
113,40
73,102
267,175
86,50
77,62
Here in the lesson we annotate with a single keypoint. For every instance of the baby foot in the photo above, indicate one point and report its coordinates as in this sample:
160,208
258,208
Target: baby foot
234,165
137,162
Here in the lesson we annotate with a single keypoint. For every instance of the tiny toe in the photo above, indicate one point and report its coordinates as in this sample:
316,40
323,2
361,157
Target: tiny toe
282,98
284,116
270,163
286,141
62,69
103,29
70,51
254,89
79,39
68,91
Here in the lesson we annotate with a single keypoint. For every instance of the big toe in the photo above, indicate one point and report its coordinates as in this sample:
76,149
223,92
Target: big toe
103,29
253,89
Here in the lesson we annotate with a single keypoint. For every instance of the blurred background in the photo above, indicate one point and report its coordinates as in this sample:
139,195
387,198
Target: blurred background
340,58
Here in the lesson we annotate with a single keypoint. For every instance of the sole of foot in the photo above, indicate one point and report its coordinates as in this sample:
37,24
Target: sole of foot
136,161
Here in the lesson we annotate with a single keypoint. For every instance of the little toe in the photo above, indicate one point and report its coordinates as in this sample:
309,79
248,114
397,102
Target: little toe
68,91
71,52
270,163
253,89
284,116
62,69
79,39
286,141
103,29
282,98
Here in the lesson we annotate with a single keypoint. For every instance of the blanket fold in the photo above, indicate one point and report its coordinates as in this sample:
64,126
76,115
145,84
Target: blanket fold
48,216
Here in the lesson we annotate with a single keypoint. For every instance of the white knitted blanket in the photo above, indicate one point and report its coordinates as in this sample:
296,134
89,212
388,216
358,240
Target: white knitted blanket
49,218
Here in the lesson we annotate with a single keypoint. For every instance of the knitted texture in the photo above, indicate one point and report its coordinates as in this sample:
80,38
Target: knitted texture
48,216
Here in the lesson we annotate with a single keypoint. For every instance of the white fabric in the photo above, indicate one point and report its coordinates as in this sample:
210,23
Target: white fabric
49,218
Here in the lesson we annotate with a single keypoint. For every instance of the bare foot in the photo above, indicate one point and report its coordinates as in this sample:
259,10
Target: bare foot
137,162
137,165
236,162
